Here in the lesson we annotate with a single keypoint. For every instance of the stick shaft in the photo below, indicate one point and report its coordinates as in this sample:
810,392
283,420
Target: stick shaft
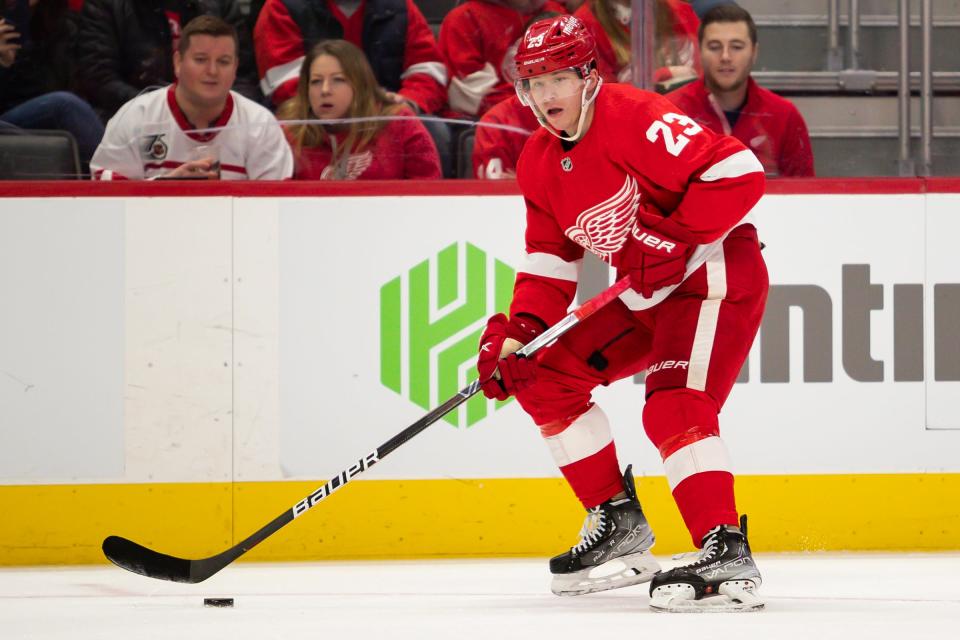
139,559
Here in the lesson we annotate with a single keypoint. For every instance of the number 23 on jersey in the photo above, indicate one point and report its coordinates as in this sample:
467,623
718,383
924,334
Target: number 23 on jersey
674,143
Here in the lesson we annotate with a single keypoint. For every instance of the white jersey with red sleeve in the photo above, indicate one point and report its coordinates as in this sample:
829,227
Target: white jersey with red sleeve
640,156
150,136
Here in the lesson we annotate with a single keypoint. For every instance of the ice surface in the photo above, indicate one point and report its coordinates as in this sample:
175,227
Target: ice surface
818,596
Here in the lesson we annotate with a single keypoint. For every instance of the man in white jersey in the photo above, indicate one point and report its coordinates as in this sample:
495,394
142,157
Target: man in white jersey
196,128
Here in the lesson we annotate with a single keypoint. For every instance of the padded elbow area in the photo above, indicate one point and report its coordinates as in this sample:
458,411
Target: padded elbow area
675,418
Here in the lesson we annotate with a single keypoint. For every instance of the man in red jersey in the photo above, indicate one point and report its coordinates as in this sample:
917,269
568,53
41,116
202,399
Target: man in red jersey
478,39
727,100
393,33
621,173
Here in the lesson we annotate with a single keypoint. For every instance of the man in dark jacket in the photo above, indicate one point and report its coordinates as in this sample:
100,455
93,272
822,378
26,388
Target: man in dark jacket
36,75
126,46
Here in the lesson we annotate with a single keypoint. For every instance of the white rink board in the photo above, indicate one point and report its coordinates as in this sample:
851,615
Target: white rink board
252,342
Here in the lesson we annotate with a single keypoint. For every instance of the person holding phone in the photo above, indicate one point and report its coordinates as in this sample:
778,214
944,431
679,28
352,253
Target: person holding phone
37,72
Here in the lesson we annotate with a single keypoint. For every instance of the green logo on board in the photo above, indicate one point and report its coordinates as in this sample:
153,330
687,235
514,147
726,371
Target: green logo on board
431,319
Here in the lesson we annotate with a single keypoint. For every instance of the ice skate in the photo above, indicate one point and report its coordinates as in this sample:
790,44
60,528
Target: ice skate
613,552
723,577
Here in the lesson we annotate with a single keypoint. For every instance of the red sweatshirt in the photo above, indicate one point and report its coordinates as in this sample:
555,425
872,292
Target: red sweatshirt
768,125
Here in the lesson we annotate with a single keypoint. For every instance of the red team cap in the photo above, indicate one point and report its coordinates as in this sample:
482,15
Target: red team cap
553,44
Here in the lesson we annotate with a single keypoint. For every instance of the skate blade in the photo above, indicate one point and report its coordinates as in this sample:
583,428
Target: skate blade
733,596
613,574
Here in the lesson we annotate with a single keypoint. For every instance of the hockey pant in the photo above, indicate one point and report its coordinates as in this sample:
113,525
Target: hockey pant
691,347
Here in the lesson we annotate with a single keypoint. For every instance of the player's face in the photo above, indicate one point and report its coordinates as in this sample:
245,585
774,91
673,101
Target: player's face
206,71
727,55
558,96
331,93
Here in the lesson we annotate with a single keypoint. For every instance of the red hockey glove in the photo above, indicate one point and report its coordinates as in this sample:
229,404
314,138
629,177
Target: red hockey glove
652,260
502,372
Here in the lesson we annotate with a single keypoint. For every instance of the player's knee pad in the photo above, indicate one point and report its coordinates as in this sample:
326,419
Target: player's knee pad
674,418
559,425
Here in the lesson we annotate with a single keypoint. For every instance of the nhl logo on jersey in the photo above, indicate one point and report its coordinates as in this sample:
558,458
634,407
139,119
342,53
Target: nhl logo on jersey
566,164
155,147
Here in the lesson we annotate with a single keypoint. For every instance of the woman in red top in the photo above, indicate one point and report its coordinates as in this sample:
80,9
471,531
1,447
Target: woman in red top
344,127
676,39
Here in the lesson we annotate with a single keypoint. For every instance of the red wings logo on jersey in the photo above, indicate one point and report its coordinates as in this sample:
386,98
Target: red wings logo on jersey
603,229
355,165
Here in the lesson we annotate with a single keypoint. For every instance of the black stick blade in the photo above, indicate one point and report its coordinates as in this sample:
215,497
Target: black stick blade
131,556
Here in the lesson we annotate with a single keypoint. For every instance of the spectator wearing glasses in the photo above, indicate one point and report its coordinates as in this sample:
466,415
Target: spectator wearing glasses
345,127
728,100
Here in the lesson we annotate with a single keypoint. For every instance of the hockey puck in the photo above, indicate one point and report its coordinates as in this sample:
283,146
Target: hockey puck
218,602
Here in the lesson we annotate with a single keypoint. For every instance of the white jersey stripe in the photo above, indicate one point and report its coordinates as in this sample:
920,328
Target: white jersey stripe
734,166
548,265
585,436
147,139
706,332
709,454
279,74
435,70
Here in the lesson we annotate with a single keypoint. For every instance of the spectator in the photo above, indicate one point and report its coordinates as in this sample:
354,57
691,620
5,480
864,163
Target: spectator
727,100
163,133
393,33
676,39
36,75
478,39
337,86
501,134
127,46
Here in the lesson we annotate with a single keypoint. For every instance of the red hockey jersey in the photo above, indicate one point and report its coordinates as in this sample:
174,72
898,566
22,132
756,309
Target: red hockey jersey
639,152
402,150
501,134
769,125
478,41
279,48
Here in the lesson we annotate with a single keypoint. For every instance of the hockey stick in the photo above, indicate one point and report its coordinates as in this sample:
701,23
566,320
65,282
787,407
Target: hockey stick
134,557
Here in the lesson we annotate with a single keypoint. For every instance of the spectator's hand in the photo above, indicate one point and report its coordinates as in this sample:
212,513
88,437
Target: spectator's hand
8,46
203,169
682,72
502,372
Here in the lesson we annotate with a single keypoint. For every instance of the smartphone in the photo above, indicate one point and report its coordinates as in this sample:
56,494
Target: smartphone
17,13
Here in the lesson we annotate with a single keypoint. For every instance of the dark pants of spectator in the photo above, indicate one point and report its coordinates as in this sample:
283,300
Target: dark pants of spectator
60,110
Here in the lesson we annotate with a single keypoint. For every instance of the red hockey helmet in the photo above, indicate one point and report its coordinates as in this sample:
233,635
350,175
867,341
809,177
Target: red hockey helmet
552,44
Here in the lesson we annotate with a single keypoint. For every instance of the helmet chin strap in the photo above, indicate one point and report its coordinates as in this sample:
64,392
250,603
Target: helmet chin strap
584,104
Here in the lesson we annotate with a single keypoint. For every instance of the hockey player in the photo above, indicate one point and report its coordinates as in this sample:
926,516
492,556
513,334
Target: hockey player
159,134
621,173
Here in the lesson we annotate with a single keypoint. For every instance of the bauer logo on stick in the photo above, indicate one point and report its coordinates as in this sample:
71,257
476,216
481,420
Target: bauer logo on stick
343,478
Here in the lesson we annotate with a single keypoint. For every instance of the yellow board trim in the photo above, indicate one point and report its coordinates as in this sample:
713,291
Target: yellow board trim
65,524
